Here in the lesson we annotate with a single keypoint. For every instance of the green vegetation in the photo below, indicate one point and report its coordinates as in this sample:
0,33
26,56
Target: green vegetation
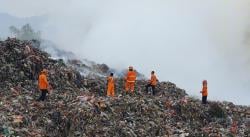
25,33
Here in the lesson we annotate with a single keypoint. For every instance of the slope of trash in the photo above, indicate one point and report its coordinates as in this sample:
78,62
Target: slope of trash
77,105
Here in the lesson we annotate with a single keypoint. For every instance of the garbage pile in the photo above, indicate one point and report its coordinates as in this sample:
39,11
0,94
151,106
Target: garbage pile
78,106
93,70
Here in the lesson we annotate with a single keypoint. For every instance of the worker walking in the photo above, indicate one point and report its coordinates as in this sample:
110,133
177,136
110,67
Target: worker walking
111,85
204,92
152,82
43,84
130,80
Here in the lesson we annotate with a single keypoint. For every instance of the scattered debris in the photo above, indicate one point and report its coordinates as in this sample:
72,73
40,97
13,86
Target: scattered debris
78,105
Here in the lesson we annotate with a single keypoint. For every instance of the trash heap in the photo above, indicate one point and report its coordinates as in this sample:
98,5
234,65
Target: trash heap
78,107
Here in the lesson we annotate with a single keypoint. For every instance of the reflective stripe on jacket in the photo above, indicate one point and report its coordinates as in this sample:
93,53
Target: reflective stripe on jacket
131,76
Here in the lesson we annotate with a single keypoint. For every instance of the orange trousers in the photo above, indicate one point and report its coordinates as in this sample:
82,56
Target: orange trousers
111,91
130,86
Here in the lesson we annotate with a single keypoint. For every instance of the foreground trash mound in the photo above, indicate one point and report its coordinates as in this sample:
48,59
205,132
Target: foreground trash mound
78,107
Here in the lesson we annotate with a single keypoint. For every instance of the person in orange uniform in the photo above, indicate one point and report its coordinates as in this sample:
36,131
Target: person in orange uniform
130,80
111,85
204,92
152,82
43,84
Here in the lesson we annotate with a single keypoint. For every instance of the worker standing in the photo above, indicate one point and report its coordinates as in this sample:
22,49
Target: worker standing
130,80
152,82
43,84
111,85
204,92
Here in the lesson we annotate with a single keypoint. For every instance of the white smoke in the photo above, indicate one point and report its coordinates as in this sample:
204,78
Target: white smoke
183,41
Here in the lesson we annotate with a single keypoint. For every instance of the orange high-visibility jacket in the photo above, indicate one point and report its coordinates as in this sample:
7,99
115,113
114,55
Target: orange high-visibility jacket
204,90
111,81
131,76
43,83
153,80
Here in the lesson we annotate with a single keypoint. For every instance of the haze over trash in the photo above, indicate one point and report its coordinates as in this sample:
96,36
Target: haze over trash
184,41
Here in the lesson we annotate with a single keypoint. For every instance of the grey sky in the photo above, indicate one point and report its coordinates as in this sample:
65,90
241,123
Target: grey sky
184,41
